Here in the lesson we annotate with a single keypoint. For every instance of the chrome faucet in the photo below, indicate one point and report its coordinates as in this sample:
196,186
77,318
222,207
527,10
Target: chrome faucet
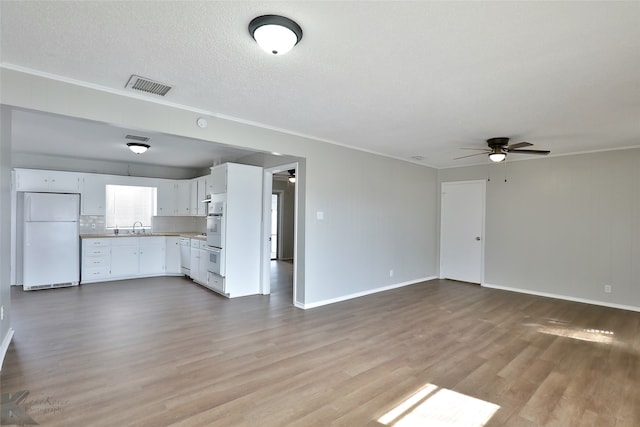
134,226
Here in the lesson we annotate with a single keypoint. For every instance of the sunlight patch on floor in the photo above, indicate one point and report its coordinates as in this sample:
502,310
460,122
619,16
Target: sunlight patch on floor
591,335
439,407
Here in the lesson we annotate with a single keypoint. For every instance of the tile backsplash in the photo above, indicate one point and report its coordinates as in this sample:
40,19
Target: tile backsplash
92,224
176,224
96,224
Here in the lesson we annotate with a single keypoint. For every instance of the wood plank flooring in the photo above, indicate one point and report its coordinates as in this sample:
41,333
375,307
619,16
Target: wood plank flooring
164,351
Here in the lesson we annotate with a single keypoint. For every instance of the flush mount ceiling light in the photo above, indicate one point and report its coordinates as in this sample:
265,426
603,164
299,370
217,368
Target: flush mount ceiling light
275,34
138,147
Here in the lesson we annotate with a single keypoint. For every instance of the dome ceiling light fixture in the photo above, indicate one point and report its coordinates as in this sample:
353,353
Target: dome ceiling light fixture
292,176
275,34
138,147
497,155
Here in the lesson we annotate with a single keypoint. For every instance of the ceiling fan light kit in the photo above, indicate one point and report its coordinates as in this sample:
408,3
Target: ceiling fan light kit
497,157
499,148
275,34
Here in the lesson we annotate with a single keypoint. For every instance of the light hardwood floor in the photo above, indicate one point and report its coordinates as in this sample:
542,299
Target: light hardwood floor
159,352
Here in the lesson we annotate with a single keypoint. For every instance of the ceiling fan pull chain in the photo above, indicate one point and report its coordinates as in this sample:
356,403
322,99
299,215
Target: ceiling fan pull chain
505,170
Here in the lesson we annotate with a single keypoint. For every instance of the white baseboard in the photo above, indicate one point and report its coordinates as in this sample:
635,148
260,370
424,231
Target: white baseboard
5,346
363,293
563,297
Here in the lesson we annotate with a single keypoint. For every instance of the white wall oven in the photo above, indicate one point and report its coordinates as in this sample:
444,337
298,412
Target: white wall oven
215,260
215,223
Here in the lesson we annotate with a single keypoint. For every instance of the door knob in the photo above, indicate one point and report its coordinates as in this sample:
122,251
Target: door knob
477,237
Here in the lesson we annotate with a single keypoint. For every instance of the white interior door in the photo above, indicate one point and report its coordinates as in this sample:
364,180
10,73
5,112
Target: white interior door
462,231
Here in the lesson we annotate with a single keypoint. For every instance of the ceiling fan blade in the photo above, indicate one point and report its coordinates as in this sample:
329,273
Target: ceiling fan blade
470,155
518,145
481,149
539,152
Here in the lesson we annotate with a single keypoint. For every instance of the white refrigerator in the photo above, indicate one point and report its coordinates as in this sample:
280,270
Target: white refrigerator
51,246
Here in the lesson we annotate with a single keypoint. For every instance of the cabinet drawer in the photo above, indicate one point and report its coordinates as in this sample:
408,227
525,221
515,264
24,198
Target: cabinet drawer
96,242
96,273
96,251
96,261
215,282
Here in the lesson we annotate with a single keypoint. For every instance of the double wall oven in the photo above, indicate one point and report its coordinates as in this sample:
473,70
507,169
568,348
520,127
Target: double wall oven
215,234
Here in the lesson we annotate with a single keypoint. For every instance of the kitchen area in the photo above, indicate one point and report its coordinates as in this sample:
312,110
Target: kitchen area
75,228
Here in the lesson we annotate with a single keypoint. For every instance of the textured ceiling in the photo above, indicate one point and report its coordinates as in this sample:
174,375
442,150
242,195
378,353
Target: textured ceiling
399,78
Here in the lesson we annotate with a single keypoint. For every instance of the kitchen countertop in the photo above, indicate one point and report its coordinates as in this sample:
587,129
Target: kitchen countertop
161,234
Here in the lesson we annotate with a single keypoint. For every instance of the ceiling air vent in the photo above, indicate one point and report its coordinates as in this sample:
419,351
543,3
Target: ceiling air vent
147,85
137,138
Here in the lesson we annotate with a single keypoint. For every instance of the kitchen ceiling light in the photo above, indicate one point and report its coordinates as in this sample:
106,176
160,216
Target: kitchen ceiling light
292,176
137,147
275,34
497,157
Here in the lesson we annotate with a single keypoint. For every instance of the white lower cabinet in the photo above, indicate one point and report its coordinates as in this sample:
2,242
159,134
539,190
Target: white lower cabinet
216,282
151,257
124,257
96,260
198,262
172,262
119,258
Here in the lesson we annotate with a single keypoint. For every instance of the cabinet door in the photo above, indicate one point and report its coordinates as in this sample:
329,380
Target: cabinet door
218,179
195,263
193,198
124,261
151,259
92,195
172,255
202,194
166,198
32,180
183,198
64,182
204,263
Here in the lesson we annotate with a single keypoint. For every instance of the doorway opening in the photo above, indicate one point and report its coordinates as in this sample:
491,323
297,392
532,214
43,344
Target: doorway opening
280,232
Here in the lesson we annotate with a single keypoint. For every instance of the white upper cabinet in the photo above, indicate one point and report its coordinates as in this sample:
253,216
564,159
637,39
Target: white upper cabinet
193,196
174,197
47,181
183,198
197,195
92,194
218,180
202,194
167,197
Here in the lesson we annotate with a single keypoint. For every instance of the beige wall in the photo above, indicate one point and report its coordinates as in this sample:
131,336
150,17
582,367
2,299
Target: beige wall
379,212
564,225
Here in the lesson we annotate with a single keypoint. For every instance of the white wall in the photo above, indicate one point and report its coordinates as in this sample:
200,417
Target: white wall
380,213
5,228
564,226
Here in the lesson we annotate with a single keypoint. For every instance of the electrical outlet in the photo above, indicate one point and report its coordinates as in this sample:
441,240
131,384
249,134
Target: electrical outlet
93,226
390,273
607,289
